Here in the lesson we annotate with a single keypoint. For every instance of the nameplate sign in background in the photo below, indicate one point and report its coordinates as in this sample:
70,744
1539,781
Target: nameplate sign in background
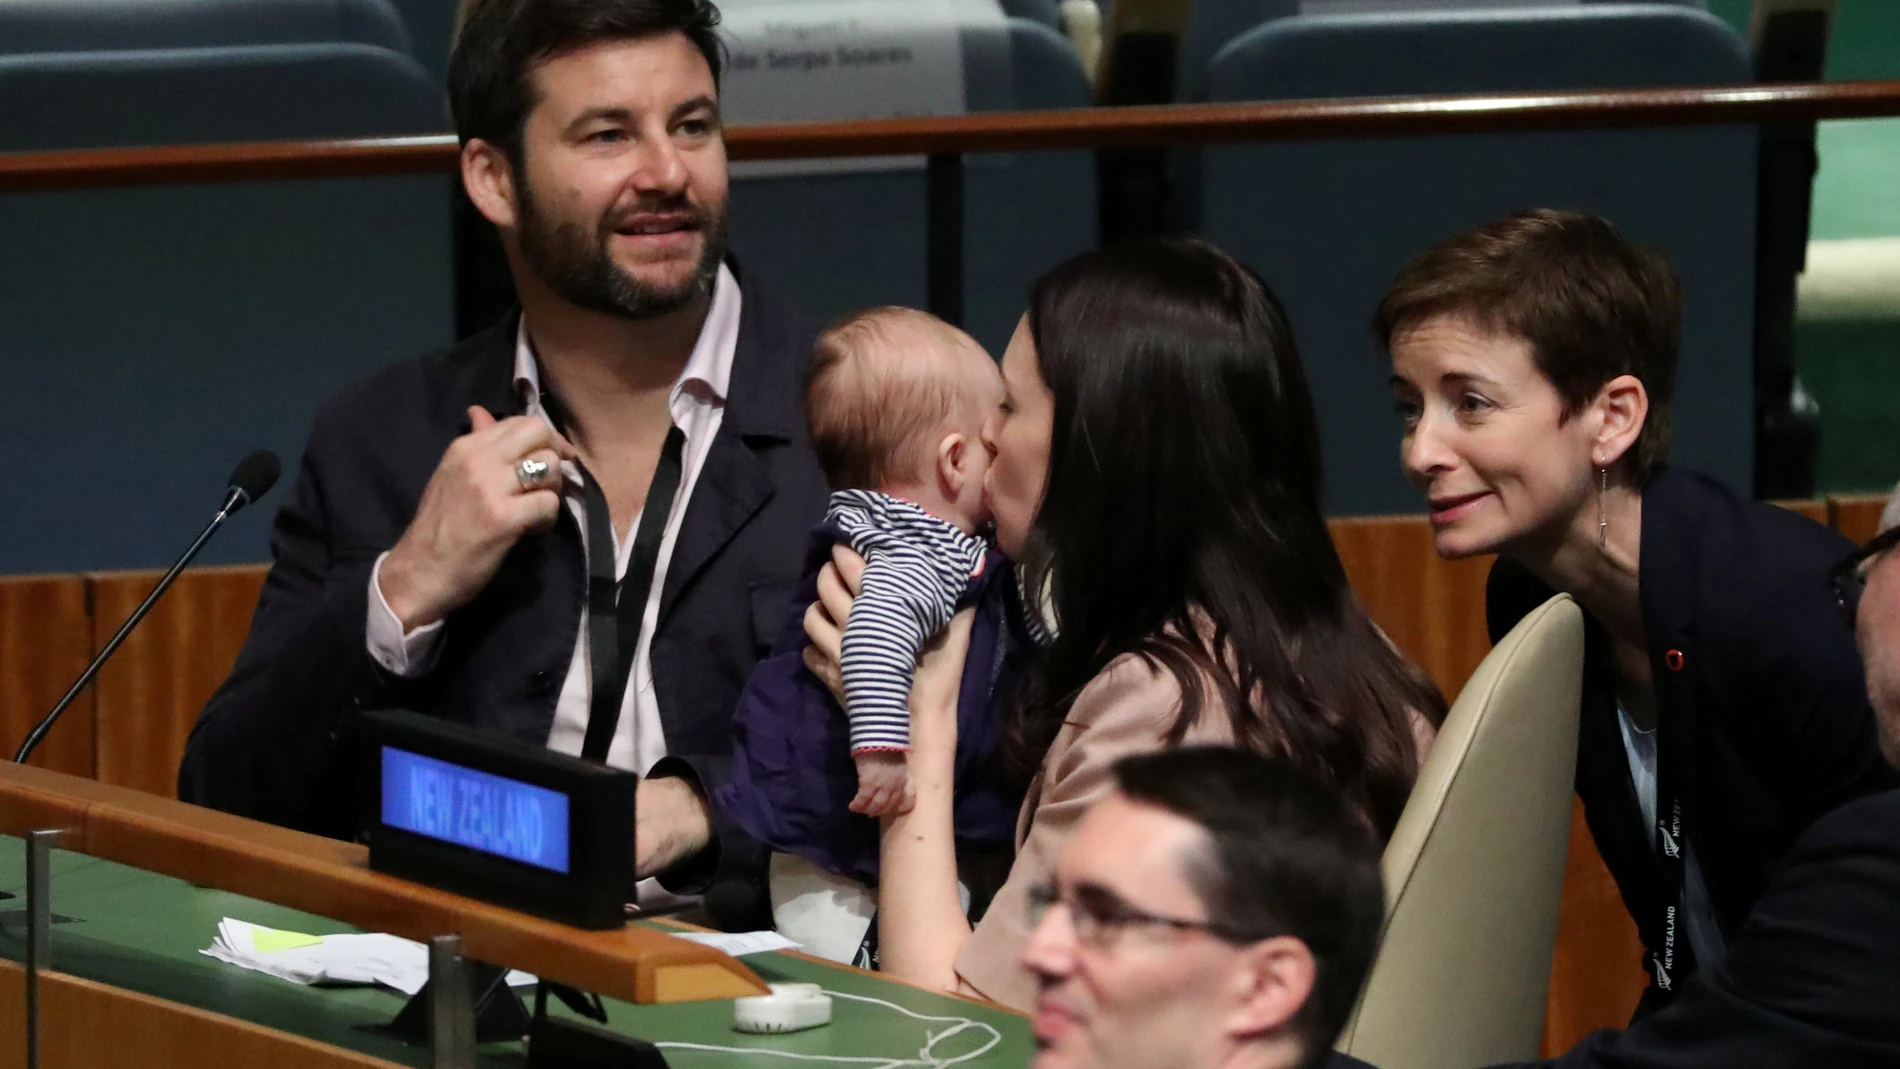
1380,7
832,60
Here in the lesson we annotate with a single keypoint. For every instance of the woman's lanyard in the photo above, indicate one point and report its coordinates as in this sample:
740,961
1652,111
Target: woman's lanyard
1672,957
616,605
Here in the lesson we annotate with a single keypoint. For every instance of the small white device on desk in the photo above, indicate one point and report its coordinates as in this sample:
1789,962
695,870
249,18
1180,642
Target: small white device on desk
789,1008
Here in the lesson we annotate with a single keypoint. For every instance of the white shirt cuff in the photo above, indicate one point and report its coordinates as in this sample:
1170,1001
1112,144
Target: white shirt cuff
406,654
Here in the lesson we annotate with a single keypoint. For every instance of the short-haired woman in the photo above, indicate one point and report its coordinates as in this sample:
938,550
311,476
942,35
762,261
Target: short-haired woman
1533,360
1157,474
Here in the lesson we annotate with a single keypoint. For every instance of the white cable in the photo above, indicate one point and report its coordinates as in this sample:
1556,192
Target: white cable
960,1024
926,1057
882,1063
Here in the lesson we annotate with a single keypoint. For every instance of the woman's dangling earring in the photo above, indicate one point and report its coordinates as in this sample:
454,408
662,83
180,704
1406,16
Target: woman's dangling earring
1603,515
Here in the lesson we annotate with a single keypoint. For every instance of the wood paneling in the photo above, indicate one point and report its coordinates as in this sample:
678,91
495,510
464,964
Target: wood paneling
45,642
84,1025
150,694
332,879
1432,609
1856,516
1162,126
1596,970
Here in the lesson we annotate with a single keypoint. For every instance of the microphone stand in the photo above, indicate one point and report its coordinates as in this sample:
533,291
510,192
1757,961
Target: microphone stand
234,498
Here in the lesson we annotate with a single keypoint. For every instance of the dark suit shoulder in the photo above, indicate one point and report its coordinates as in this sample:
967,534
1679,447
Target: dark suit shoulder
775,344
767,311
1746,585
1821,949
1868,826
375,443
434,389
1751,577
1694,524
1510,593
1810,977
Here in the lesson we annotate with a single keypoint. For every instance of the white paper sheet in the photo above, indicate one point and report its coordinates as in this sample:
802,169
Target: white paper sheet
368,958
739,944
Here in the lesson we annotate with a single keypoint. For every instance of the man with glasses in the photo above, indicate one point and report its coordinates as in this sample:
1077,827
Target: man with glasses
1812,978
1220,909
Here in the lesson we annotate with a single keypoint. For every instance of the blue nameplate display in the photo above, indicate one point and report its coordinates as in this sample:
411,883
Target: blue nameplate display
479,810
494,819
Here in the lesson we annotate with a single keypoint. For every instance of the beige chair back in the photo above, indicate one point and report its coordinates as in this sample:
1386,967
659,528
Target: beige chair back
1476,866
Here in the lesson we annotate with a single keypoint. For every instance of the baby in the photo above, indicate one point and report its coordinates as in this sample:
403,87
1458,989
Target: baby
895,400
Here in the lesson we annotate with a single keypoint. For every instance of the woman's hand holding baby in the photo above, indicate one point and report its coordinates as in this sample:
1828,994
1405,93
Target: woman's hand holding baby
838,585
884,785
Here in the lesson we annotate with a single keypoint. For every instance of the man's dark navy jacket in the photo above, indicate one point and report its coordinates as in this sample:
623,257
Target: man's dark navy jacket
1765,675
274,741
1812,978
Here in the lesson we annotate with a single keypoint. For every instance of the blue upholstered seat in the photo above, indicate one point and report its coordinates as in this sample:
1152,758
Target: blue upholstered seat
1214,23
1329,223
106,25
150,336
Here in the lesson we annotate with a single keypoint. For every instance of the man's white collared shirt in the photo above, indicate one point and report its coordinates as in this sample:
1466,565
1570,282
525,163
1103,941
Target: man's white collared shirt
697,401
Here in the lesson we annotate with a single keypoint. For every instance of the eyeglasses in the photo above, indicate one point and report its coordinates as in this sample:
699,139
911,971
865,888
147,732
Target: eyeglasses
1849,577
1099,916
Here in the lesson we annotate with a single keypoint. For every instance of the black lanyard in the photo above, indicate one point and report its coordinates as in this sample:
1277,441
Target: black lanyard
1672,957
615,605
1668,956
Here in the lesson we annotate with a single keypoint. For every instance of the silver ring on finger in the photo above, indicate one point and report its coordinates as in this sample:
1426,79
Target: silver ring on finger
529,473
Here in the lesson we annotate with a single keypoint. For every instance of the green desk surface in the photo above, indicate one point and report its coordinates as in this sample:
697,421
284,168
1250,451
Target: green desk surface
142,931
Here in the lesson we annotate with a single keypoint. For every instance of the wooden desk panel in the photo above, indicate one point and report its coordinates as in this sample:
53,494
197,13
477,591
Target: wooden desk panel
84,1025
45,642
150,694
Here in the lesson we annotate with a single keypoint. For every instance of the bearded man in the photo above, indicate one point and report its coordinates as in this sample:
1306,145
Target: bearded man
581,528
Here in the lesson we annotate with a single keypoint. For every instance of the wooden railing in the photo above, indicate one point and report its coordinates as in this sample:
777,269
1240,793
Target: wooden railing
946,140
1080,128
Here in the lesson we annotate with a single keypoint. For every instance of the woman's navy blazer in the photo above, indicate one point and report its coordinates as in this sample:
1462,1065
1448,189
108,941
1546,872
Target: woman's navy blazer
1751,654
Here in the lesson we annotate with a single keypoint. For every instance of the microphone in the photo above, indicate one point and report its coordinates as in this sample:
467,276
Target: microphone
251,479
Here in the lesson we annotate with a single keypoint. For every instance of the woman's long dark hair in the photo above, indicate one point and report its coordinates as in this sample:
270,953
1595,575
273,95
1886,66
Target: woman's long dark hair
1181,522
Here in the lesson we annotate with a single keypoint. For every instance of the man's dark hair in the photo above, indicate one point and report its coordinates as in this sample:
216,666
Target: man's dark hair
491,72
1592,304
1288,857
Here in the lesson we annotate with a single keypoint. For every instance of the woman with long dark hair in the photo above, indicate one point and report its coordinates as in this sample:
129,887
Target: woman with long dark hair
1157,475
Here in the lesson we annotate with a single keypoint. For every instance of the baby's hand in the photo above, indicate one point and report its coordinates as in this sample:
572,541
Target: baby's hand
884,787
